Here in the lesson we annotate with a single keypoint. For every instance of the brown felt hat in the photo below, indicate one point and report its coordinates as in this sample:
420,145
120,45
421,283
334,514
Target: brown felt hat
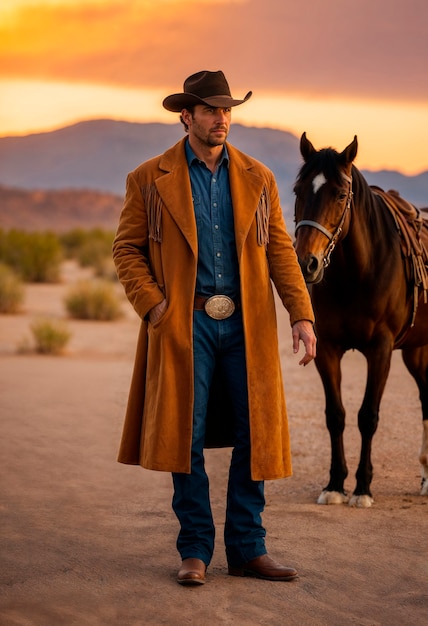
203,88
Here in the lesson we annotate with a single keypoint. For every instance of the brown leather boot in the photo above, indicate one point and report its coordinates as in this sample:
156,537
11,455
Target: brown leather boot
264,567
192,572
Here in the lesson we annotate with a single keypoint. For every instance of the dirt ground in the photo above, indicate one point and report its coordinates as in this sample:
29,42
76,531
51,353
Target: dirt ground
86,541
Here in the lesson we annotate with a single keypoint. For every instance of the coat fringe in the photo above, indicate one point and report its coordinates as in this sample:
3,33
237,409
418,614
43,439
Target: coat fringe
153,204
263,215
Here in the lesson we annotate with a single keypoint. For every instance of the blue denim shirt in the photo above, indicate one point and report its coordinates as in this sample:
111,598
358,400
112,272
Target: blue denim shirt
218,269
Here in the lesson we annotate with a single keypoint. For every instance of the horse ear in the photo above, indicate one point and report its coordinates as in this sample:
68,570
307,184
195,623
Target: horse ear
306,148
350,152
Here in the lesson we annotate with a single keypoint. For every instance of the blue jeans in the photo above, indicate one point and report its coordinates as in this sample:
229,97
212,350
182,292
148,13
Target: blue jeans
221,343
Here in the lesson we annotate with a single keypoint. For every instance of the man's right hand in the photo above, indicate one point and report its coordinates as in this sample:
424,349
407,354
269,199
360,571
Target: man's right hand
156,313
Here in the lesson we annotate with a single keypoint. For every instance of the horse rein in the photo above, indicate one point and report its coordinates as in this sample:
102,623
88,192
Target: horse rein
332,237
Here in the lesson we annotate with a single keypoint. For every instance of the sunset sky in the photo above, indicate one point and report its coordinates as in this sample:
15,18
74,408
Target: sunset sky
332,68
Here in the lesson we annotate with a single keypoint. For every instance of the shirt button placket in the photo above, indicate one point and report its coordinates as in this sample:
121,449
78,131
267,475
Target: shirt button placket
218,263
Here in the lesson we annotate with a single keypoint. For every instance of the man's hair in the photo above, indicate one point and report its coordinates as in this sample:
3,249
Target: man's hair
191,109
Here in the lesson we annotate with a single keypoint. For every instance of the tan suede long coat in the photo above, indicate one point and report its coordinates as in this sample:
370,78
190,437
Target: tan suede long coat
155,252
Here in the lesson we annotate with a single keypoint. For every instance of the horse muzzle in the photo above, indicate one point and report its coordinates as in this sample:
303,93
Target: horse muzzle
312,267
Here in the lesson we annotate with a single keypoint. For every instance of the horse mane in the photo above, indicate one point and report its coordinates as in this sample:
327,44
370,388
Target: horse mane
322,162
373,206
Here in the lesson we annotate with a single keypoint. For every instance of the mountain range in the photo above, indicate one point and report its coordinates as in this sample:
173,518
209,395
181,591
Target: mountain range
75,176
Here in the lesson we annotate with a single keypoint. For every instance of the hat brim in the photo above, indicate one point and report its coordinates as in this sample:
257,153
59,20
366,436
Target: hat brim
179,101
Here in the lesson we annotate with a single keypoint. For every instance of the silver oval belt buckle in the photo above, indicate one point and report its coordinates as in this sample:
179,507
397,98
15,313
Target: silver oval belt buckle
219,307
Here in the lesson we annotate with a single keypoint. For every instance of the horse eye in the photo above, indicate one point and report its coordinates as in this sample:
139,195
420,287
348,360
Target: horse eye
342,195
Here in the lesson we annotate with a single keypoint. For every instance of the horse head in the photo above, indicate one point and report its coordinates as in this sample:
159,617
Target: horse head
323,192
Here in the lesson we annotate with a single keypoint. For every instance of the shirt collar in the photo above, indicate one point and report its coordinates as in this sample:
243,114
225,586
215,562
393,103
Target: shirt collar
192,158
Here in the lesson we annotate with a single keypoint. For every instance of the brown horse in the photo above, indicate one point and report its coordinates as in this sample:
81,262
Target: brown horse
363,254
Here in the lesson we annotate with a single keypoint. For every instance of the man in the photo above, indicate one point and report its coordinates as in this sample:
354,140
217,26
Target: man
200,237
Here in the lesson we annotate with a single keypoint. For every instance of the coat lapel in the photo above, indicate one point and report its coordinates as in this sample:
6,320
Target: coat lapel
176,193
246,189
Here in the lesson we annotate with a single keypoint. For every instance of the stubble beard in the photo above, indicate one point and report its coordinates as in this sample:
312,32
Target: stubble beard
215,141
210,139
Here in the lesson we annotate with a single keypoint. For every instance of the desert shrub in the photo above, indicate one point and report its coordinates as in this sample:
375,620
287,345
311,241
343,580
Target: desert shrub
50,336
36,256
91,248
93,300
11,290
72,241
92,252
105,268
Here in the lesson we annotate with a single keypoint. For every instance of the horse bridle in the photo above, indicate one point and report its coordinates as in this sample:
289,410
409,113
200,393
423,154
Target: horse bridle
332,237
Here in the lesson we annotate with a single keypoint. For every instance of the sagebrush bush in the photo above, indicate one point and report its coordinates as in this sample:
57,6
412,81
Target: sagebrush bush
105,268
93,300
50,336
11,290
35,257
91,248
72,241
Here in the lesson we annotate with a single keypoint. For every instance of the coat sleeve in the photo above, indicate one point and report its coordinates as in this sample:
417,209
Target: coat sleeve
284,265
131,251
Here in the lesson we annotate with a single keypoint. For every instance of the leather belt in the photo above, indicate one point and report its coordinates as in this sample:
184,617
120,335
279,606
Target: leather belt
219,307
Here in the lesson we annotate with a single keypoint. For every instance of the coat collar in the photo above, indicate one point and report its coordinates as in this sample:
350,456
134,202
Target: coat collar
246,186
176,193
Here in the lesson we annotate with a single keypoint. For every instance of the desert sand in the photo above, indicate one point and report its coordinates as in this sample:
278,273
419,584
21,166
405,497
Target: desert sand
87,541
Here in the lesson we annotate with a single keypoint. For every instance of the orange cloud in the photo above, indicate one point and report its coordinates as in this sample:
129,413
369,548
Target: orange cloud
371,49
47,40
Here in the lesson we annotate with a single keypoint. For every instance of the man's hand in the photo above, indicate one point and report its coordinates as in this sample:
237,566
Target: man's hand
156,313
303,331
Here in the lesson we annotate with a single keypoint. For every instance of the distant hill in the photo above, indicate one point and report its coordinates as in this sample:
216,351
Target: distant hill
99,154
58,210
96,156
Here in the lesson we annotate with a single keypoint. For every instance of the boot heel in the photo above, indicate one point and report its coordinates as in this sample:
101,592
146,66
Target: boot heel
236,571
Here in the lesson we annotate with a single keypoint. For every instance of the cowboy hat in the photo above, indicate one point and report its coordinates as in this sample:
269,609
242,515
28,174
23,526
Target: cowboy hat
203,88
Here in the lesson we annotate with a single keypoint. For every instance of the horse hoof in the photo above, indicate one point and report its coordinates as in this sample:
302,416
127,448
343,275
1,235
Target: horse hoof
424,487
361,502
332,497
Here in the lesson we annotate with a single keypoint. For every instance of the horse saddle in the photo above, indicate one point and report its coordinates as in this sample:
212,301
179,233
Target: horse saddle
413,229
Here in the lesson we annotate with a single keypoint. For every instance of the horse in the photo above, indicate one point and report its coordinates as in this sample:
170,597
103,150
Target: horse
362,252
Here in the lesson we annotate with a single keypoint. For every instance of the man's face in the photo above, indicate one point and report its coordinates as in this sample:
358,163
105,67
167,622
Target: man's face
209,126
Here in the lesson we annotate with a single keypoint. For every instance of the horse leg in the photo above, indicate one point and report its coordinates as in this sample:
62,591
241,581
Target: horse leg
328,366
378,364
423,459
416,361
